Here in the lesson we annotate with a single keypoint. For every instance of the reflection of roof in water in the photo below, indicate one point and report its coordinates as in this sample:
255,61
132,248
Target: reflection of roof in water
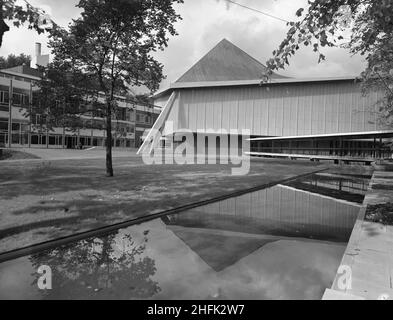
225,232
220,249
222,233
165,267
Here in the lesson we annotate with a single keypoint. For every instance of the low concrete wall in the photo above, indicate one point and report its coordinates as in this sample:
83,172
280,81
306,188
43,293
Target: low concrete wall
366,269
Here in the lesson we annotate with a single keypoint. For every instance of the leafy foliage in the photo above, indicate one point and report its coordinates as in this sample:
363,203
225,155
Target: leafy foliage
112,42
324,24
114,266
13,61
35,18
65,95
378,76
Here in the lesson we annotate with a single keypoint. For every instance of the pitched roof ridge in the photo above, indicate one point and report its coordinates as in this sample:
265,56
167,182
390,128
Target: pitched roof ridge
244,52
225,62
224,39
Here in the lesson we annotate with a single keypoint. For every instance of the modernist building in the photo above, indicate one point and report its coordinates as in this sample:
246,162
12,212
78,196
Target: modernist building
18,130
312,118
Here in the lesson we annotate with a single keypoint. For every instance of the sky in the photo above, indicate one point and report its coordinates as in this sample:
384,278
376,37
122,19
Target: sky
204,24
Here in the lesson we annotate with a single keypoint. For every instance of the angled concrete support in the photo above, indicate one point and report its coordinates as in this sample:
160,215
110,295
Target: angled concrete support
158,124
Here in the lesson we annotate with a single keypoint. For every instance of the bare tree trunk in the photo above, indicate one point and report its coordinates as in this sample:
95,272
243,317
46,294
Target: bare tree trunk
109,167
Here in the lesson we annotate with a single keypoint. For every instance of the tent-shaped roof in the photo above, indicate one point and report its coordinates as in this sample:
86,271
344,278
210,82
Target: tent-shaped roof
226,62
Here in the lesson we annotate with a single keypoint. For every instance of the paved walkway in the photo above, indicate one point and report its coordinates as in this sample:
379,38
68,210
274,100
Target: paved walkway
369,253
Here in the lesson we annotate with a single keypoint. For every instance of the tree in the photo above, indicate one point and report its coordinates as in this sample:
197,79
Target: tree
378,76
370,23
35,18
113,266
324,23
13,61
112,41
65,95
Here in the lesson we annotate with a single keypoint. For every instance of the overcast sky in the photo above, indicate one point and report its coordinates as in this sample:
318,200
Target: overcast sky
204,24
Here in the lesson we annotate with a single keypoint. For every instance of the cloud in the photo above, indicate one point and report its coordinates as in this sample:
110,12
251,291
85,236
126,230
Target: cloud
204,24
22,40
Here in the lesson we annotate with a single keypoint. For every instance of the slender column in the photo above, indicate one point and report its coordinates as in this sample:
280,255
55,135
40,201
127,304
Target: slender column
78,138
47,129
374,148
10,93
380,147
64,133
92,135
341,147
30,110
63,138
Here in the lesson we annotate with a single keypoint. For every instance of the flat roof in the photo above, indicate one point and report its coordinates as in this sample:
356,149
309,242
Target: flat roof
310,156
17,74
273,81
365,134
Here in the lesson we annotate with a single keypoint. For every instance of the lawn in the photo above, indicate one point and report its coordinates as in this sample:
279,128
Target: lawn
42,200
7,154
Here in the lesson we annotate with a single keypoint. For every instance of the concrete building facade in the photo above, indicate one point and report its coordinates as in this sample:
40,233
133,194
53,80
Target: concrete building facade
16,129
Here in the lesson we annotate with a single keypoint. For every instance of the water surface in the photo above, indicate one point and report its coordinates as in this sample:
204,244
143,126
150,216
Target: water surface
284,242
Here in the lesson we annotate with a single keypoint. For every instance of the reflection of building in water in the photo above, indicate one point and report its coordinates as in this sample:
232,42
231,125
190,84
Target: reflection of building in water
280,210
337,186
358,186
180,264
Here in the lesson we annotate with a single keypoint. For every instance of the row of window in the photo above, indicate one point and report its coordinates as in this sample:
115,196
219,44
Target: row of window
143,118
122,128
18,99
69,141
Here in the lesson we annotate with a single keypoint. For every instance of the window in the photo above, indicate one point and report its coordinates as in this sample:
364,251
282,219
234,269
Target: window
4,97
3,126
17,99
20,99
130,115
121,114
130,128
37,119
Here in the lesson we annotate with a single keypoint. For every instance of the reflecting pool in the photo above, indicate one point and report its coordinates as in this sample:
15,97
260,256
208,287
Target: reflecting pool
284,242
